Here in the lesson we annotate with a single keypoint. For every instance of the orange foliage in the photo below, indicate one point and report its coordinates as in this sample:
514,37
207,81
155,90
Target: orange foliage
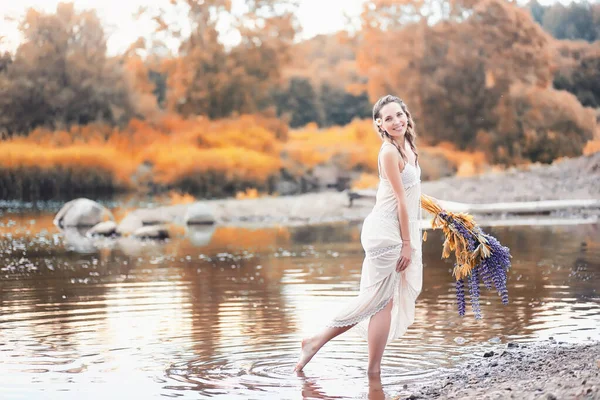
355,145
591,147
242,148
177,198
466,163
180,152
21,154
250,193
365,181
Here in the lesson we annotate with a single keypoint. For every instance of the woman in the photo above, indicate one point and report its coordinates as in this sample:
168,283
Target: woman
392,271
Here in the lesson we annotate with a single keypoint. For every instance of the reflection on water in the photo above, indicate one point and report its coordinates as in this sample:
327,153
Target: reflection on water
220,312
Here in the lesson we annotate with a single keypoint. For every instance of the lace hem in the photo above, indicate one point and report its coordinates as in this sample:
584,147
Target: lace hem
380,251
365,315
359,318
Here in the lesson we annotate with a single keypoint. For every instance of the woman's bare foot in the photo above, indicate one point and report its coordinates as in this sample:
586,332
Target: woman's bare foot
309,349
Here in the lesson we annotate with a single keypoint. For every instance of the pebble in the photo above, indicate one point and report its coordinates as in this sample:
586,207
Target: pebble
489,353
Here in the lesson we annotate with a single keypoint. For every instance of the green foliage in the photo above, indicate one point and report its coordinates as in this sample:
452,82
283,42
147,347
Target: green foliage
340,107
579,20
298,102
581,76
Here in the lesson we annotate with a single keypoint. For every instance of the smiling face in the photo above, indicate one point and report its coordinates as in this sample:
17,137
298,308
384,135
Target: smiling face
394,120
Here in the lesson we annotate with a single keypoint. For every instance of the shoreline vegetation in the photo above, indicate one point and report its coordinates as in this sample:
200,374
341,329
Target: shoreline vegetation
211,159
246,157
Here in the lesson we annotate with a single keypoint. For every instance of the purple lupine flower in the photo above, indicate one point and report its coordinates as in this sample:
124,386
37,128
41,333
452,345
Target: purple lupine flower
498,263
464,232
492,271
474,292
486,273
460,297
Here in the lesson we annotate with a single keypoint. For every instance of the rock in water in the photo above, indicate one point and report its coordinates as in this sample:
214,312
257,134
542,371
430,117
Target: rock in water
143,217
199,213
152,232
106,228
82,212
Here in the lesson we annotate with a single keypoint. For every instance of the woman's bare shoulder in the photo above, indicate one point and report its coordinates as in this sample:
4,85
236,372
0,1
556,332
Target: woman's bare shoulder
391,153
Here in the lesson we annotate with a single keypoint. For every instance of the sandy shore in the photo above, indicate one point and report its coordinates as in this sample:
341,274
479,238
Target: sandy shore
577,178
546,371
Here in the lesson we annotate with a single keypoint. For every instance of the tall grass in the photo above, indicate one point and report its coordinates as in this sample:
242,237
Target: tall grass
195,155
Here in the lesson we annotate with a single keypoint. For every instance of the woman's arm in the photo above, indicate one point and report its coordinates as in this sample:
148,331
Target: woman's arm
390,165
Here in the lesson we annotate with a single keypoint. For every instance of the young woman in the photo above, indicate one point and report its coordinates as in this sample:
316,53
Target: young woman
392,271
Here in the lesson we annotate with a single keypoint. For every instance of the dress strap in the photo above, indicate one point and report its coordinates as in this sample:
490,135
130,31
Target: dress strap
379,159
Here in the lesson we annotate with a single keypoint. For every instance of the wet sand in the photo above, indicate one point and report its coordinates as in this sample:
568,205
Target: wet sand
546,370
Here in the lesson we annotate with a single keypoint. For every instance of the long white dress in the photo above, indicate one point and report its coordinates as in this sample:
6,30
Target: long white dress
381,240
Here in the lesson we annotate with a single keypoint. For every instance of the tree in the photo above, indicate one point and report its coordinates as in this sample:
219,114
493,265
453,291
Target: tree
298,102
578,71
537,11
340,107
60,75
460,76
211,79
579,20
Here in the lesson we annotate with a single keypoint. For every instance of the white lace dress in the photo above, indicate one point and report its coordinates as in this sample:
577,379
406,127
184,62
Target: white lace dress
380,238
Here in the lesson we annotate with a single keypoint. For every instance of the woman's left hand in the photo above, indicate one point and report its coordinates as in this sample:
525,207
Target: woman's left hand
405,255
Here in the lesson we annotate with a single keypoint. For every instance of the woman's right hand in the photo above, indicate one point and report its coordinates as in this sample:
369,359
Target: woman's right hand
404,259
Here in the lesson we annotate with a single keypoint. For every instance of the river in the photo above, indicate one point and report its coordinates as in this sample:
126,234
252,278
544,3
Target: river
220,311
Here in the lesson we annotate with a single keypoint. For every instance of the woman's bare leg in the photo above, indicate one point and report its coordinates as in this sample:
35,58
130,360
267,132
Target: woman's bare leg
311,345
379,328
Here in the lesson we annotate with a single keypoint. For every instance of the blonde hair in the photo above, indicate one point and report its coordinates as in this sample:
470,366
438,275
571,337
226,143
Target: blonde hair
410,134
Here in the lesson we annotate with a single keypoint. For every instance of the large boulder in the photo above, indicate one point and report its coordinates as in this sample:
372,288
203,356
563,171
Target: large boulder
82,212
199,213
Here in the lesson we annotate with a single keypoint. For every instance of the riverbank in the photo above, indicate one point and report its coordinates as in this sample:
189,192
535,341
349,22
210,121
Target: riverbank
577,178
546,371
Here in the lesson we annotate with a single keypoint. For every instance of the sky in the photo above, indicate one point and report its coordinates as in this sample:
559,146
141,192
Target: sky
315,16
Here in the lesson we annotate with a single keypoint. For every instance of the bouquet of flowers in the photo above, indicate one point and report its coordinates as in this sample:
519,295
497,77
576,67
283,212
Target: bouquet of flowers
479,256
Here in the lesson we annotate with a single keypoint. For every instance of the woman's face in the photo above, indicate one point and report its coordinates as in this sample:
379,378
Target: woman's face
394,120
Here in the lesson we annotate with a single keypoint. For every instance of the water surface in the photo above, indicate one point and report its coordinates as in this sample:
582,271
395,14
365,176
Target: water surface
220,311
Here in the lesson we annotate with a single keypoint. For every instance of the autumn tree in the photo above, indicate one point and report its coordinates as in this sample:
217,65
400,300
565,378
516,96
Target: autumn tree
215,78
459,75
578,70
60,74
